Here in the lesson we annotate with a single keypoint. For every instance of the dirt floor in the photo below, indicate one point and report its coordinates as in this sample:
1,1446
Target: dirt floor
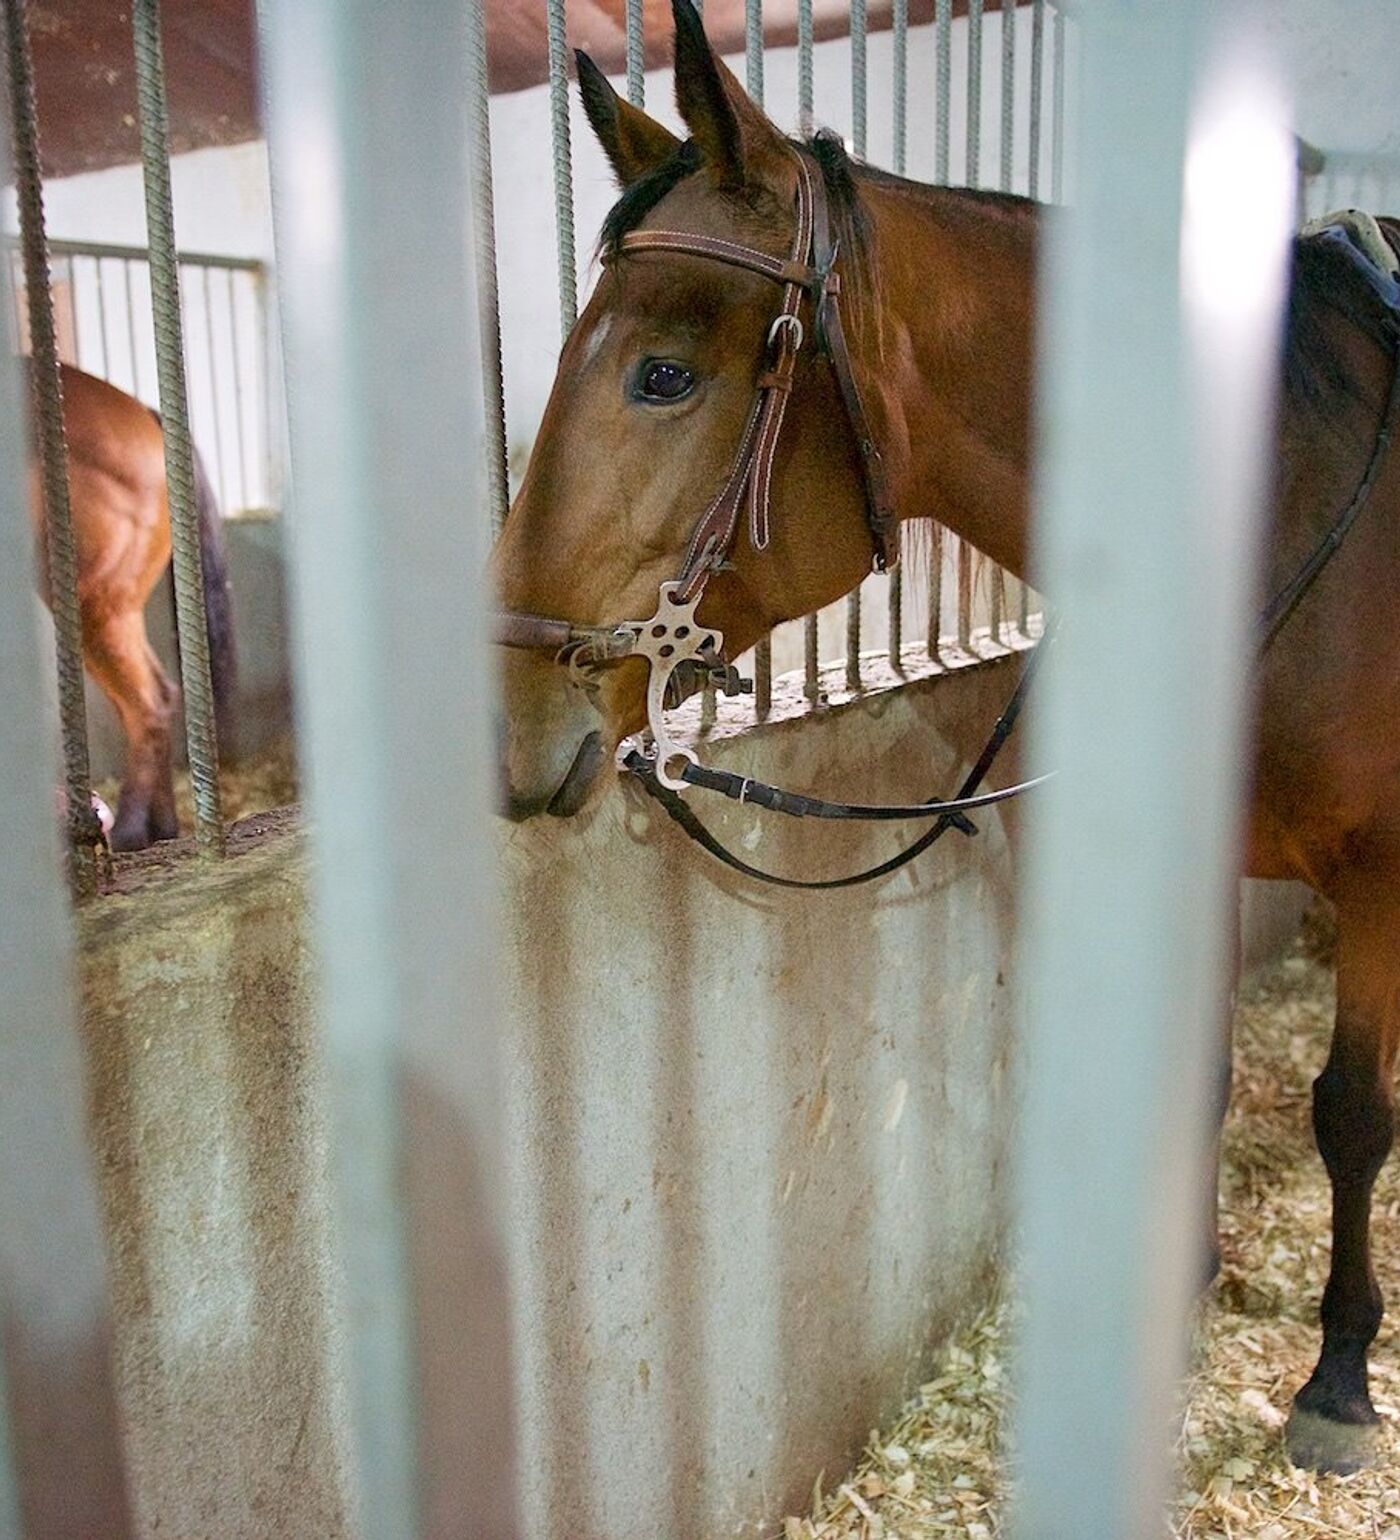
936,1471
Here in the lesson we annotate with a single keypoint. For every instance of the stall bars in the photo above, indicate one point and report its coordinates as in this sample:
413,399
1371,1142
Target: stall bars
968,599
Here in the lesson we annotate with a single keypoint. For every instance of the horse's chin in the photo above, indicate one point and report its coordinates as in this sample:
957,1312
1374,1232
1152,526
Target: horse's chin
572,793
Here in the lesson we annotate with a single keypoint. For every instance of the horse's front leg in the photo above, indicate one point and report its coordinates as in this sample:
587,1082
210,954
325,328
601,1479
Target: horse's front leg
1333,1425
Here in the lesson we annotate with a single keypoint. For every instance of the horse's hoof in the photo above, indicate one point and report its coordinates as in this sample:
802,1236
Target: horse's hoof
1319,1443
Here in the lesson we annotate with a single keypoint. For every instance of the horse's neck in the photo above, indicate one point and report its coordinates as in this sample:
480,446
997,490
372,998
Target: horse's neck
953,280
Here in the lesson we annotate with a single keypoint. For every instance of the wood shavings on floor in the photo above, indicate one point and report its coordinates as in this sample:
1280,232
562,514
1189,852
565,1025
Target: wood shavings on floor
937,1471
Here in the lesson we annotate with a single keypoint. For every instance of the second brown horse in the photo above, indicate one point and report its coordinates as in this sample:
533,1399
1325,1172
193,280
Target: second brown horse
121,531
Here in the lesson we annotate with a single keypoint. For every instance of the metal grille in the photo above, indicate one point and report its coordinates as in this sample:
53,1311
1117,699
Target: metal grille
987,90
102,310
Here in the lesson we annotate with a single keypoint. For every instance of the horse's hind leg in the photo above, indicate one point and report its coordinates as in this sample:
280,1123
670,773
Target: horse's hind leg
1333,1425
120,659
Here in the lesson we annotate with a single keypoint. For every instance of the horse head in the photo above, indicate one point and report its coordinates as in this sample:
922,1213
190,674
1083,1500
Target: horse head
655,392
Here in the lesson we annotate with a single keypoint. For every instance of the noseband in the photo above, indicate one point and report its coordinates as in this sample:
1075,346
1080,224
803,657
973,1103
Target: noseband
676,646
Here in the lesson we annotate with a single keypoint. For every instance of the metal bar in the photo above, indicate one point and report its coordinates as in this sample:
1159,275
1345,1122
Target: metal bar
1008,178
805,99
488,307
131,327
753,49
1143,719
200,733
104,368
943,89
1037,94
240,437
967,555
47,394
974,93
369,118
934,637
117,253
811,666
563,164
901,83
753,80
636,61
61,1456
1008,94
859,91
71,267
860,73
895,585
220,478
1057,118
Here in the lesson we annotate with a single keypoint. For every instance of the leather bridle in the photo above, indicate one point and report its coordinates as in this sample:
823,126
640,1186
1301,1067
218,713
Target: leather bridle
673,639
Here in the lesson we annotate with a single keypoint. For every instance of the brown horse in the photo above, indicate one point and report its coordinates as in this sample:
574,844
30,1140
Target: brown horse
121,531
937,296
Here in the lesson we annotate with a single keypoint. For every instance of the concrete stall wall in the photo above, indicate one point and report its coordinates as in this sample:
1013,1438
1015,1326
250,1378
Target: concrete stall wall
758,1148
758,1142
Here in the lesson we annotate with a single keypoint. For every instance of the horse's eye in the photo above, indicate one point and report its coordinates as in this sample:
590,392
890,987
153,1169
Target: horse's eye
662,380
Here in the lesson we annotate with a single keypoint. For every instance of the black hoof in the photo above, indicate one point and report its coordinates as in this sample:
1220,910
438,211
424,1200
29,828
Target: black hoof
1321,1443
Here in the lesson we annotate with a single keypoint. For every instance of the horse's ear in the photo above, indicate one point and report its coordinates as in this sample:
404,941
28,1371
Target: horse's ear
733,134
633,142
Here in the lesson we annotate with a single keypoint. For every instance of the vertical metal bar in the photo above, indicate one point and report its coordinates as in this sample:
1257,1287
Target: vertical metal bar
563,164
753,49
60,1444
1037,93
47,392
200,733
131,328
895,589
859,86
805,96
811,687
1008,176
104,369
1034,145
636,57
240,438
933,640
367,105
487,284
216,416
1008,94
1145,716
974,93
943,89
860,73
1057,119
763,649
69,266
811,667
967,555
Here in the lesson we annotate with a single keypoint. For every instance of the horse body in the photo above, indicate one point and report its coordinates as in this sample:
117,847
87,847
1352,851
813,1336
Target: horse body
938,295
121,533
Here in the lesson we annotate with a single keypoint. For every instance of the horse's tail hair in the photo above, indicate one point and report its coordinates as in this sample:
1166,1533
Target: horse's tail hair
218,602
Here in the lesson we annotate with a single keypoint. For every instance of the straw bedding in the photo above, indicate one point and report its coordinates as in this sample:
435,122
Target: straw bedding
937,1470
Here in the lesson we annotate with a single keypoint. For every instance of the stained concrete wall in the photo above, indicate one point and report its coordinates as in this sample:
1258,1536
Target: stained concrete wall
757,1142
757,1149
